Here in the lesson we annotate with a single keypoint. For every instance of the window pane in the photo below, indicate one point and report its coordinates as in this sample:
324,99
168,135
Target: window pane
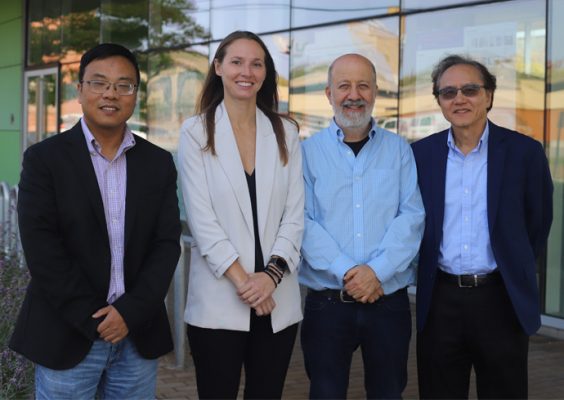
312,12
176,24
507,38
412,5
248,15
313,51
44,31
554,301
125,22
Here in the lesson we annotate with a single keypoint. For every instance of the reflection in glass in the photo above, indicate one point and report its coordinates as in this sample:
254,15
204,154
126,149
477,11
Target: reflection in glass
174,82
507,38
41,105
413,5
313,12
313,51
554,300
248,15
70,108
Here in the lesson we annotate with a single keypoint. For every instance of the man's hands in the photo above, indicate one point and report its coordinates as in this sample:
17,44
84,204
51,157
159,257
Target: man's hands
362,284
113,328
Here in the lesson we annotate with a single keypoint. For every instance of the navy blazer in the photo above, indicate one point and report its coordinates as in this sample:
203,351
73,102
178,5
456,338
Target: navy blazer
519,215
66,245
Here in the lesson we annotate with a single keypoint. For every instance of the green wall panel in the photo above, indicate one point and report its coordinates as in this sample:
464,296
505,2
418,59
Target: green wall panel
11,89
10,9
10,150
11,42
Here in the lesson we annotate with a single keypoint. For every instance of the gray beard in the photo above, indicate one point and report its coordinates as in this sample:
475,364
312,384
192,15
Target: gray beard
356,121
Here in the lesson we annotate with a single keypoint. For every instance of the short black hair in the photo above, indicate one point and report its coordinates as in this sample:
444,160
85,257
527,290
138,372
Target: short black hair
106,50
450,61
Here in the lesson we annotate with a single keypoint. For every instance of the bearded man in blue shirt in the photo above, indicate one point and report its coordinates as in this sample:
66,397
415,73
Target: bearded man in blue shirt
363,225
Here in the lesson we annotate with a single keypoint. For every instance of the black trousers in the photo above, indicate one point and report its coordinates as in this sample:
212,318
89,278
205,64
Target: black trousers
472,328
220,354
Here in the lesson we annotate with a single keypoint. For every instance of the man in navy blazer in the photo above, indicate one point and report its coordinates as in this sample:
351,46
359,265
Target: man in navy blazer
100,230
487,193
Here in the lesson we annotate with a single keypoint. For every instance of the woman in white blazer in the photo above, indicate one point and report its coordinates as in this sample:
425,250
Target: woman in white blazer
241,176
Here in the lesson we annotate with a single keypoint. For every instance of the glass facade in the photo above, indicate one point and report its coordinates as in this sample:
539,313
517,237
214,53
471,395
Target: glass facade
175,40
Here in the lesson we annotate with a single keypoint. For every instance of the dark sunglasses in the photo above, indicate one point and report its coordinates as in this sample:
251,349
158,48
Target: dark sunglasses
450,92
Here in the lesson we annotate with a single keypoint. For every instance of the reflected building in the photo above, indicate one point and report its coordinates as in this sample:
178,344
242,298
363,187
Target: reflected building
519,40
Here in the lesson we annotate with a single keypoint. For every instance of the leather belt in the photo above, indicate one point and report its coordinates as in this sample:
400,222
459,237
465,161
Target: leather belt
333,294
470,281
342,295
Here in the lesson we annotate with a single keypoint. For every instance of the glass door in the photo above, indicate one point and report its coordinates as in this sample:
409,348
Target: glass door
41,105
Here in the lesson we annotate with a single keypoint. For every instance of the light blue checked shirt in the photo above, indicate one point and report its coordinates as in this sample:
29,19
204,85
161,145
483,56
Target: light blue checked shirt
360,210
466,248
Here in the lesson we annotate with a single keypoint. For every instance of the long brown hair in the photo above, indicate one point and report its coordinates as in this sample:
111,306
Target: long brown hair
267,97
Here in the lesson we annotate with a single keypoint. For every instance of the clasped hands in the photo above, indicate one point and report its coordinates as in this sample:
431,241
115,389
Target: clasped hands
362,284
113,328
257,291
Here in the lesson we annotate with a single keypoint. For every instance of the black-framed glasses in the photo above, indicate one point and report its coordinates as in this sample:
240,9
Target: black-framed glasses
121,88
469,90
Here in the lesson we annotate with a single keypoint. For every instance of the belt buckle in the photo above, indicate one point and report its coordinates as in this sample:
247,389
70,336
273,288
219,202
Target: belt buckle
342,297
460,285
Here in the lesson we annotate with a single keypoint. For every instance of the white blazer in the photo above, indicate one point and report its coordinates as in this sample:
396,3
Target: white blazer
220,218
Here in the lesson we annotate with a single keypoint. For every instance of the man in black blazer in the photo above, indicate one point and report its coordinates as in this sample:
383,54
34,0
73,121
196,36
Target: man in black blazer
487,193
100,230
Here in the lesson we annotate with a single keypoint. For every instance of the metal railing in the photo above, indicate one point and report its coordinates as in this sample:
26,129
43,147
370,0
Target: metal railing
10,245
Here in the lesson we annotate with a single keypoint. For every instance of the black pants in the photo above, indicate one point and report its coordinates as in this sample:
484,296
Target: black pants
220,354
472,327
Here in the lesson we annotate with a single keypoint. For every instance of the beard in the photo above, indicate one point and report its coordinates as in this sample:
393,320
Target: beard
357,119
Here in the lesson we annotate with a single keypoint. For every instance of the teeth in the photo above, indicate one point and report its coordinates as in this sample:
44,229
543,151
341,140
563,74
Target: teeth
244,83
109,108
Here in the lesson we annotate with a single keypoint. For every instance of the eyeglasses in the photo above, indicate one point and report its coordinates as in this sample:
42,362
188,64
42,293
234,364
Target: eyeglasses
450,92
121,88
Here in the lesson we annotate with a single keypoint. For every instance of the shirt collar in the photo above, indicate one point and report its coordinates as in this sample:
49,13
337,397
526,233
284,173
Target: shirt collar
340,136
94,147
481,143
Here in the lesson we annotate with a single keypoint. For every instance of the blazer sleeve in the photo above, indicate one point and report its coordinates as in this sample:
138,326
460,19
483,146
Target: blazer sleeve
141,300
54,275
538,200
289,238
212,240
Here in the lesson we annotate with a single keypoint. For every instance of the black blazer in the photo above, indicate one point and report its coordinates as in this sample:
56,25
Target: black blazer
65,242
519,215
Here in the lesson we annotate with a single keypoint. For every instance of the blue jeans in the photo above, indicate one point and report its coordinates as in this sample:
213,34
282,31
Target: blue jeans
107,372
333,330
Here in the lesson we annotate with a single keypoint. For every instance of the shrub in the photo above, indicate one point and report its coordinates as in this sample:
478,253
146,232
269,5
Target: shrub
16,373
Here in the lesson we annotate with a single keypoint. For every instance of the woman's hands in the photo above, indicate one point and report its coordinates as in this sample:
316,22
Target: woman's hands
254,289
257,293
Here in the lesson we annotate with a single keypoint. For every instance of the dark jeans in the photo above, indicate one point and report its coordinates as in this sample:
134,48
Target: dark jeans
332,331
472,327
220,354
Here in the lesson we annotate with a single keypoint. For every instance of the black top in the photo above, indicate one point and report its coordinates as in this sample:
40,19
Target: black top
251,183
357,146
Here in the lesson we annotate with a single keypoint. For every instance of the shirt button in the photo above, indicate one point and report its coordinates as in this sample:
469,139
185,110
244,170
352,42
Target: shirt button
357,206
465,247
466,191
359,235
465,219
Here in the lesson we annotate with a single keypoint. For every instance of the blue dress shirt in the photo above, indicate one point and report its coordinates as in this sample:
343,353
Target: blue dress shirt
465,248
360,210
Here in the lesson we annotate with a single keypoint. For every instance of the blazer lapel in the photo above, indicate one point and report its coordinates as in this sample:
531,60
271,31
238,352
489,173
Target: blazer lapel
230,160
496,162
439,162
81,158
266,157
